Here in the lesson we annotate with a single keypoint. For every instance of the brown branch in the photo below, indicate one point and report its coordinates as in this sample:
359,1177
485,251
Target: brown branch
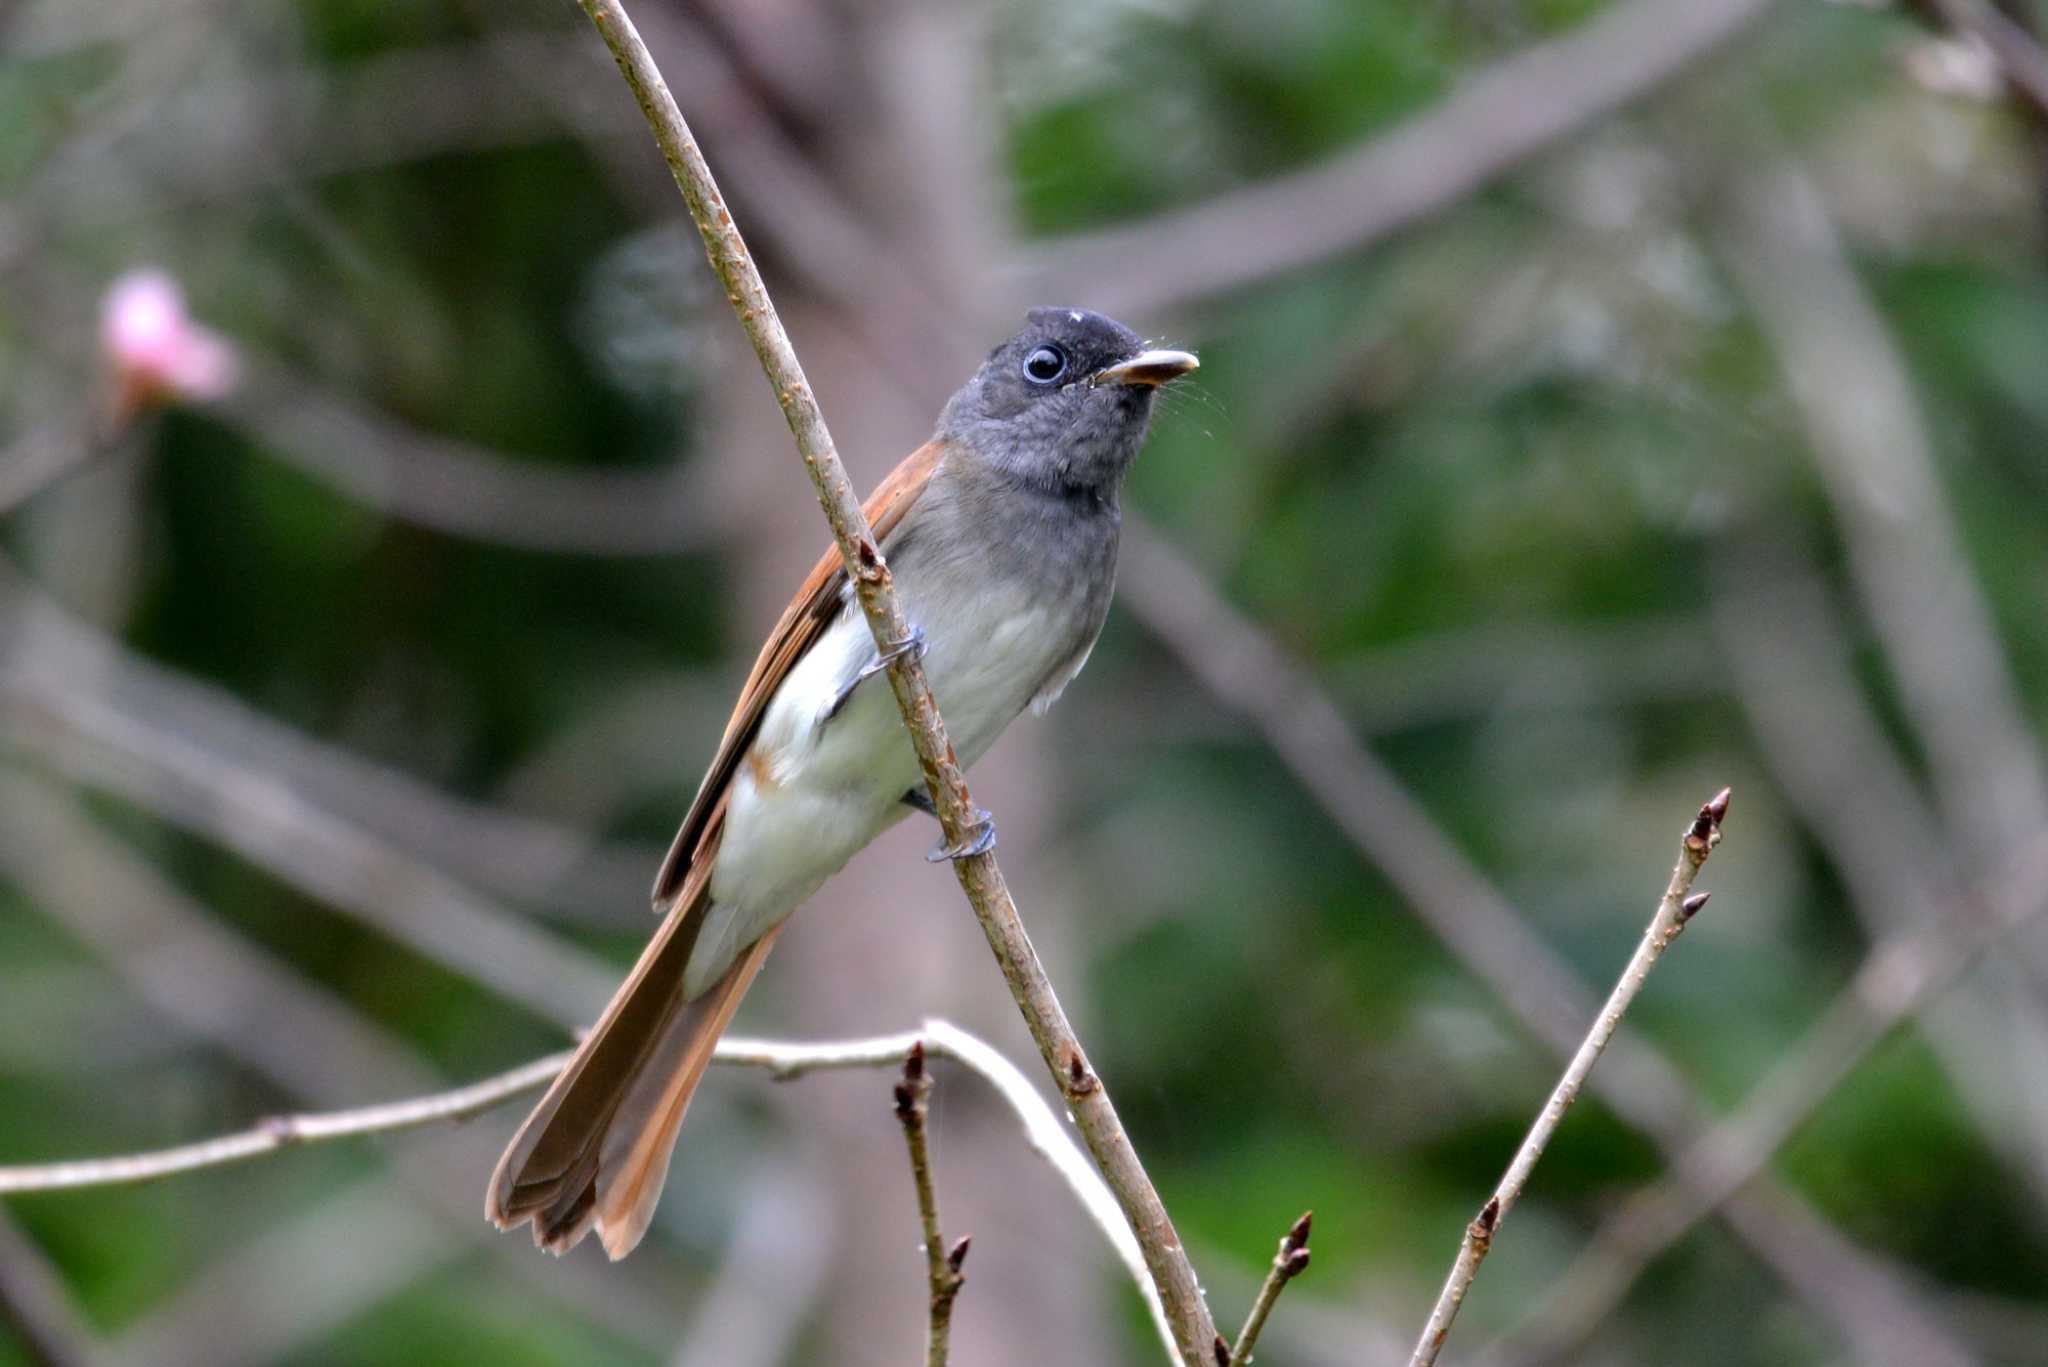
980,877
1288,1263
1674,909
942,1266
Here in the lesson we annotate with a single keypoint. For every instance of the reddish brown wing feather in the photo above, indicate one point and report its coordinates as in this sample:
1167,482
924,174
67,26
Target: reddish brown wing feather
803,621
595,1149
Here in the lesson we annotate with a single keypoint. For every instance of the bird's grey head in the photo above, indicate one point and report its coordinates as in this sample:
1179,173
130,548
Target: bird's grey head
1063,405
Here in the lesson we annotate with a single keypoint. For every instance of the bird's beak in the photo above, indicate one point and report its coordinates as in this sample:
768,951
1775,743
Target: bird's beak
1148,368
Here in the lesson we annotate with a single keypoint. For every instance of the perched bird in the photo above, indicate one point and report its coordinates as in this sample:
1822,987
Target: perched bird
1002,535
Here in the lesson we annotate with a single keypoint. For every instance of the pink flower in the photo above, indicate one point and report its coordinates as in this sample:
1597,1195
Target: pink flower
154,350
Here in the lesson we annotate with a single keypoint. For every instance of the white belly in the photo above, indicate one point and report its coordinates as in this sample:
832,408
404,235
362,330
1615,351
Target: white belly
810,795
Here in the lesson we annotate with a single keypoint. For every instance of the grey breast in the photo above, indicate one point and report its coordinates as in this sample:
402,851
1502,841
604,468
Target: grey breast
978,531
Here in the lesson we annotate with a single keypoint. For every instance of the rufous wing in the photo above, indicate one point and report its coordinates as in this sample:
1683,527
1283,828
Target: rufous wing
803,621
595,1150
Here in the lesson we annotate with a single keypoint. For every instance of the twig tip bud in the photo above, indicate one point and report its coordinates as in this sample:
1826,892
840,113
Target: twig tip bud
913,1062
1297,1237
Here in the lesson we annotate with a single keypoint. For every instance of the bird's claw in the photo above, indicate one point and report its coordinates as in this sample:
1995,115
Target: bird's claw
979,838
912,645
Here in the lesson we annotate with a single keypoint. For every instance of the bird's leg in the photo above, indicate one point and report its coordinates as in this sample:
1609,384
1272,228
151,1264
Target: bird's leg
980,838
913,644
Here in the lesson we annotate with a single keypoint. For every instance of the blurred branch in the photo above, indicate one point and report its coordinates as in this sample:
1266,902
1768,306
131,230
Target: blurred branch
1823,741
36,1309
1872,448
2021,60
39,458
279,1290
268,823
761,1301
1874,453
979,875
462,489
1494,121
1873,1308
568,871
1900,977
1674,911
1289,1262
942,1266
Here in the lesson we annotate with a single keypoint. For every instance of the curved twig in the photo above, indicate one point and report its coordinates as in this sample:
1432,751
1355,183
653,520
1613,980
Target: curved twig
782,1060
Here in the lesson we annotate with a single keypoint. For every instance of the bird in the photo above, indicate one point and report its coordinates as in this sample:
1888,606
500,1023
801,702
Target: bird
1002,533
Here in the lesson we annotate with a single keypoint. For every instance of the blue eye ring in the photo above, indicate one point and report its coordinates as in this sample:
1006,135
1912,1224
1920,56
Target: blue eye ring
1045,364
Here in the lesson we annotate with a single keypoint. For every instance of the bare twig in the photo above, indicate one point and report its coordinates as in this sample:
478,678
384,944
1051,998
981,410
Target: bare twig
942,1266
284,1131
1288,1263
1043,1131
1899,978
1493,122
1873,1307
1677,907
980,877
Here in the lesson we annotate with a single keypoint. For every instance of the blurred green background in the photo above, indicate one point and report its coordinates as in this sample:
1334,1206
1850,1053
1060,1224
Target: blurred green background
1600,403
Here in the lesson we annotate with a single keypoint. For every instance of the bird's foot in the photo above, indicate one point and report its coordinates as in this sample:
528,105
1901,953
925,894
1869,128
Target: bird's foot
912,645
979,838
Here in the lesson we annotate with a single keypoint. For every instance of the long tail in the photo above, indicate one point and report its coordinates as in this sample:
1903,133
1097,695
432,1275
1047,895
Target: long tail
595,1150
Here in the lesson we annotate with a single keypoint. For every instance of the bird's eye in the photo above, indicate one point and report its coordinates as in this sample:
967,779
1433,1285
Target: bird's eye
1045,365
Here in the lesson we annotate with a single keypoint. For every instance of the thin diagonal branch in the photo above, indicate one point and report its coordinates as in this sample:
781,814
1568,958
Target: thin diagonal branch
1900,977
980,877
1674,909
1289,1262
942,1266
1874,1308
